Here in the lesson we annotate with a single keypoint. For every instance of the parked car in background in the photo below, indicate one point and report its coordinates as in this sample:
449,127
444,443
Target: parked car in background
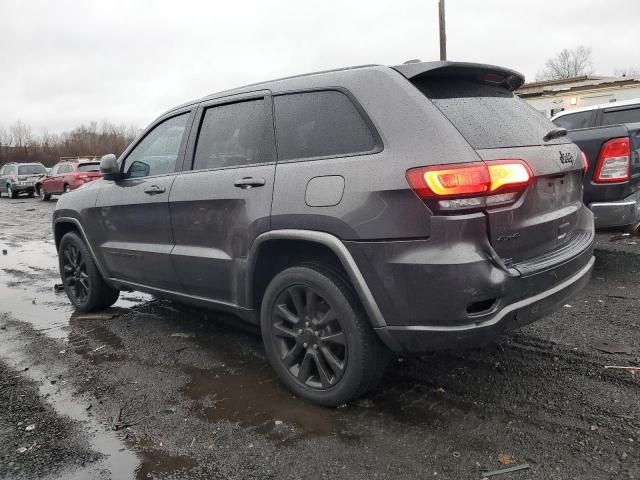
609,137
67,176
17,178
408,208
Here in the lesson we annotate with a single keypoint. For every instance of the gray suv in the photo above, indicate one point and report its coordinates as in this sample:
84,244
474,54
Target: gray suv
351,214
17,178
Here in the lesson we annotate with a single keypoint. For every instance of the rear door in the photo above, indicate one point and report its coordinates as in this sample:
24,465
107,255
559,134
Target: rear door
222,202
498,125
130,222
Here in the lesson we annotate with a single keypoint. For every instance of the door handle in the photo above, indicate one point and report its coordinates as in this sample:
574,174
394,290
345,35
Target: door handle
154,190
249,182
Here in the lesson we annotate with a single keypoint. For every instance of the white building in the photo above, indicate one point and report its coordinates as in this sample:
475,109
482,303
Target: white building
552,96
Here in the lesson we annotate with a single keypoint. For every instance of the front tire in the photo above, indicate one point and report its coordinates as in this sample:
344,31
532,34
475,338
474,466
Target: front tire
82,280
317,337
45,197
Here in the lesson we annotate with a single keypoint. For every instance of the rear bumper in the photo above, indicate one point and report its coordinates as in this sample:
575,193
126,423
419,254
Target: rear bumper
617,214
23,188
453,291
419,338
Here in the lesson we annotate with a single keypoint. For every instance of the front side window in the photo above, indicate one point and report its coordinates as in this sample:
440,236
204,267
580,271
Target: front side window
233,135
55,170
571,121
157,152
320,124
621,115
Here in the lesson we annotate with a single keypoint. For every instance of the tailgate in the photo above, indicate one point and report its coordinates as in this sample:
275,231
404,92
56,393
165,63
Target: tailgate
547,216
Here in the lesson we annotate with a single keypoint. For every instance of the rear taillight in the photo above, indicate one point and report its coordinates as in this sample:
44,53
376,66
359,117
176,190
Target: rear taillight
470,185
613,162
14,178
585,162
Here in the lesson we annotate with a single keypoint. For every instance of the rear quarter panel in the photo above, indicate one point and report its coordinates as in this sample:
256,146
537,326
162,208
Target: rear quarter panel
377,202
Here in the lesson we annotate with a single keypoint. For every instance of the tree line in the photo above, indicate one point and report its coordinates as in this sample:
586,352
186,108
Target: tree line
18,143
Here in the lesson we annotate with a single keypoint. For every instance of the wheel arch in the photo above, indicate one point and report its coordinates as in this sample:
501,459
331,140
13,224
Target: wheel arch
64,225
274,251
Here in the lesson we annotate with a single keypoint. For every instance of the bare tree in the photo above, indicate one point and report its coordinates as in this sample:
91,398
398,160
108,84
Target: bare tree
567,64
21,134
627,72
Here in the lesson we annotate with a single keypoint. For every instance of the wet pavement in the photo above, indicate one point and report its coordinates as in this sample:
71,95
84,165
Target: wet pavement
153,389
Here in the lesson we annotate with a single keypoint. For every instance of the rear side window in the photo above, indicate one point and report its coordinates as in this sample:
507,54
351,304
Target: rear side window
487,116
89,167
31,170
621,115
320,124
572,121
235,134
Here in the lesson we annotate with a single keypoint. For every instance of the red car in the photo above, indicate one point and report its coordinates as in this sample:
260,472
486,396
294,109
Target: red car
66,176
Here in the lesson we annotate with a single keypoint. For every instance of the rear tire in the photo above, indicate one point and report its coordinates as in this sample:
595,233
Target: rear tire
317,337
67,189
82,280
11,193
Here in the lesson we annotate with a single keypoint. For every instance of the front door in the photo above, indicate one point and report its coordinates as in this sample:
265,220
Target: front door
224,201
131,223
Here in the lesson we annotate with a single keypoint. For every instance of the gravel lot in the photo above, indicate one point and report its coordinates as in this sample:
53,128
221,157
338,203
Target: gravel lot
152,389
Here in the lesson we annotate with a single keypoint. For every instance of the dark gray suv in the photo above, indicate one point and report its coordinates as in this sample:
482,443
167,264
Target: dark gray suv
350,213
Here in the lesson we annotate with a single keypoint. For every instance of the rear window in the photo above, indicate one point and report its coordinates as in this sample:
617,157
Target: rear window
320,124
487,116
621,115
89,167
31,169
572,121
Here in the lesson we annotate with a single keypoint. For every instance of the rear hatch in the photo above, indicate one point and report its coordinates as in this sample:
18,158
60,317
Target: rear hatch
30,173
89,171
498,125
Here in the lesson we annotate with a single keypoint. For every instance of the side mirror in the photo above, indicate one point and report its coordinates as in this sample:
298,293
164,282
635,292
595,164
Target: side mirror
109,167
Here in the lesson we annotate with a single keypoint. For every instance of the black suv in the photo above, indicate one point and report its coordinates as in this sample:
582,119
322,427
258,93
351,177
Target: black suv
350,213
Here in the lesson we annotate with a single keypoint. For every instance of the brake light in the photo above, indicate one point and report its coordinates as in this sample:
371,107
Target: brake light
585,162
613,162
471,185
14,178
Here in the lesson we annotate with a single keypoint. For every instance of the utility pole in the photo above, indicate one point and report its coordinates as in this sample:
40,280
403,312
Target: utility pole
443,32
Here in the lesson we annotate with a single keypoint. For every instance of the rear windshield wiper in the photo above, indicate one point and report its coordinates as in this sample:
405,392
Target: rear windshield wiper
554,133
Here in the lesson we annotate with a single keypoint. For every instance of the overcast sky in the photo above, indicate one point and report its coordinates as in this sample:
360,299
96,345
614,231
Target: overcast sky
69,62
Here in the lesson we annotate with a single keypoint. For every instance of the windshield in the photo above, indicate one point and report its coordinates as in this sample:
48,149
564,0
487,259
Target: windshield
31,170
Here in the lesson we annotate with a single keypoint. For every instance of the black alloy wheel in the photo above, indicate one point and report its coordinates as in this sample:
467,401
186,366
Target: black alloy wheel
74,273
309,337
317,337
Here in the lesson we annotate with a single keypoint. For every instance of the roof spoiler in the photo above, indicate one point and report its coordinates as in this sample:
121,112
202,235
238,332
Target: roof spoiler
476,72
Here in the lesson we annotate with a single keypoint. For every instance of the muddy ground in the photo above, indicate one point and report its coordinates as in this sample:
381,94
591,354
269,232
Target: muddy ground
153,389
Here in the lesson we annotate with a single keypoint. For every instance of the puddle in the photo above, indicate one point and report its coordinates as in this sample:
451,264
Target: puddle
28,273
116,458
245,390
158,462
